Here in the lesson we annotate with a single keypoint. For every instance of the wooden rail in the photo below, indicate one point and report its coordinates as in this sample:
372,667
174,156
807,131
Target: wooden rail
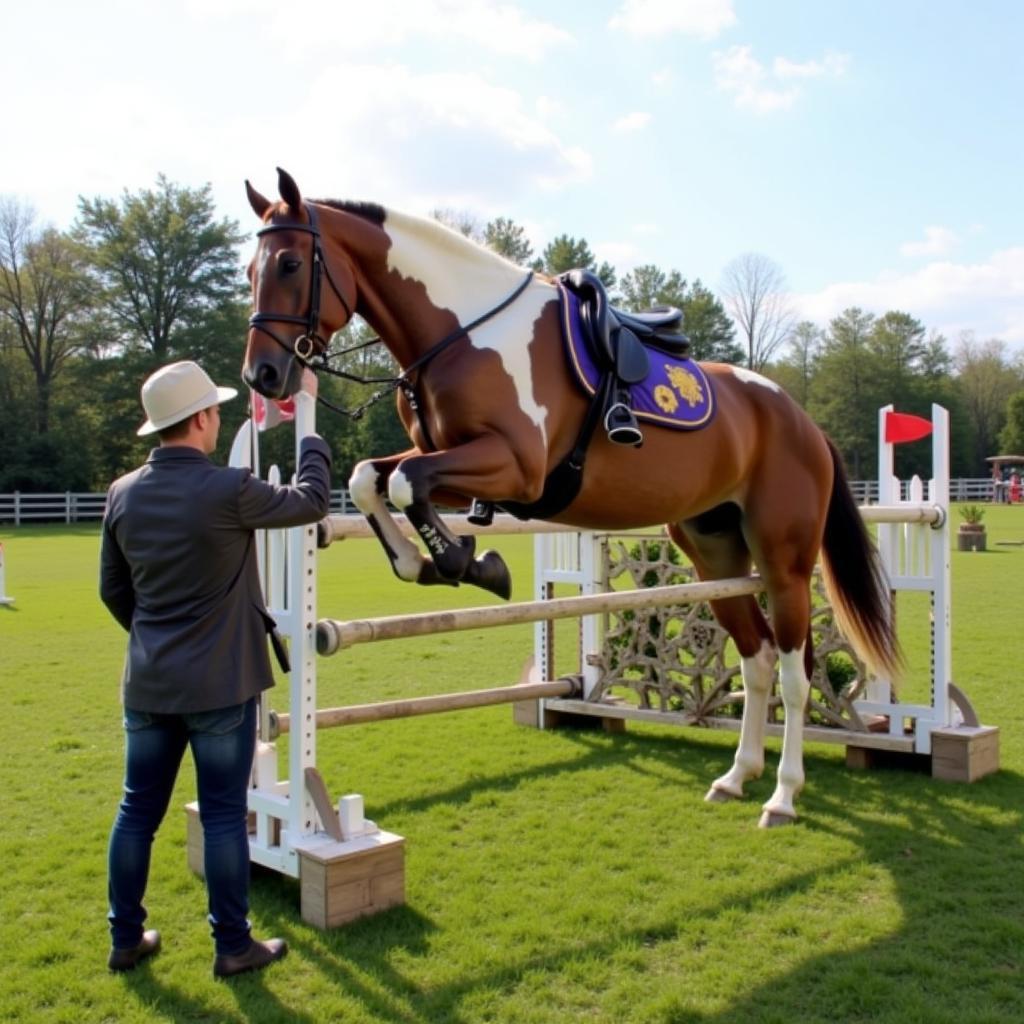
341,527
355,714
333,635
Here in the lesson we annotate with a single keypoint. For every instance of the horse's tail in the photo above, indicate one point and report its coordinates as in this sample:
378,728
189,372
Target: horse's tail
855,581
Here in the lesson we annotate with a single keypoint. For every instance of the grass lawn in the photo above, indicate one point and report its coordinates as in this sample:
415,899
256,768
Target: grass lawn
551,876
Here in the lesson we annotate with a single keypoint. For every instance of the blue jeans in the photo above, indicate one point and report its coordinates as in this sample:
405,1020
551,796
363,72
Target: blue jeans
223,743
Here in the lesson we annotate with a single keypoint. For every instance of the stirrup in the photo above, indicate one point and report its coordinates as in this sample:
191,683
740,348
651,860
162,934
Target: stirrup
481,513
621,426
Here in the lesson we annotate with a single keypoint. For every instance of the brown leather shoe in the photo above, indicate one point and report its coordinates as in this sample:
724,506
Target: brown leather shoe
129,959
255,958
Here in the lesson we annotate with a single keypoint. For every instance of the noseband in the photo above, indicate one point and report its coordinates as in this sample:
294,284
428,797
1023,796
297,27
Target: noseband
310,342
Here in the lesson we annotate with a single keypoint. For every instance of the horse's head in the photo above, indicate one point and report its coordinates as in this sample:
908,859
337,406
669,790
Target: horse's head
293,315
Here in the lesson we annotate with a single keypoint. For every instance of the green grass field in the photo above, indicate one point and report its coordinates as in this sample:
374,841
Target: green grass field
551,876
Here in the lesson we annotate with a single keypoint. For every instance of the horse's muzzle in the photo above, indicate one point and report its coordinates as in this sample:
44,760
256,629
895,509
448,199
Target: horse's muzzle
270,379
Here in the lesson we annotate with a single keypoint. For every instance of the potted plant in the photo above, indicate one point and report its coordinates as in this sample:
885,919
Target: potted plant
971,534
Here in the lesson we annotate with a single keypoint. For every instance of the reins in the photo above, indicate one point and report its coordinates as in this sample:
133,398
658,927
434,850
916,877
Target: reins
319,361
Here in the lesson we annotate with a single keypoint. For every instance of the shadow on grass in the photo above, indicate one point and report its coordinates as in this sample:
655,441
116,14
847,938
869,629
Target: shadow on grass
959,953
953,854
256,1002
597,750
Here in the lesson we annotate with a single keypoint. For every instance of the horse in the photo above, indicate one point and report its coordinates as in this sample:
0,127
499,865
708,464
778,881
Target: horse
492,410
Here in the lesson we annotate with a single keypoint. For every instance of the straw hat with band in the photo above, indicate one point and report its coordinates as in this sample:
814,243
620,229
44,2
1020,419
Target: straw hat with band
175,392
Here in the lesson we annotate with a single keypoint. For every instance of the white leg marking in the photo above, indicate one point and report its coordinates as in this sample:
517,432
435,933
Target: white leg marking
795,687
363,486
400,490
758,673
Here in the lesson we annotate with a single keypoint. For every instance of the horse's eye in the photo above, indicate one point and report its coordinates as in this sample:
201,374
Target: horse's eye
291,265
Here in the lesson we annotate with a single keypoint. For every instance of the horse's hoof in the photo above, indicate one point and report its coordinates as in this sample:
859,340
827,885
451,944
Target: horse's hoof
773,819
430,577
490,572
720,796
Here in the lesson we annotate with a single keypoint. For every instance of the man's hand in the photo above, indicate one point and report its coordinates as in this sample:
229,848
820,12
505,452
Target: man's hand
309,382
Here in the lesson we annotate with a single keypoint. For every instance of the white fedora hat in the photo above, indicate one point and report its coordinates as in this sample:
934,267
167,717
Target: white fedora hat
175,392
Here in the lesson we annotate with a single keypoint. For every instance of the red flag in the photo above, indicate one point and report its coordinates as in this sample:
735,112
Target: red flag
269,414
902,426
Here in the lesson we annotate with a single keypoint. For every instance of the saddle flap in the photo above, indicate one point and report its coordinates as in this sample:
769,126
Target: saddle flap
632,364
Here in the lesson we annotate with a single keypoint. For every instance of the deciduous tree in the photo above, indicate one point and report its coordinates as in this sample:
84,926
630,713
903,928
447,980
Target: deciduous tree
755,294
161,261
986,380
43,298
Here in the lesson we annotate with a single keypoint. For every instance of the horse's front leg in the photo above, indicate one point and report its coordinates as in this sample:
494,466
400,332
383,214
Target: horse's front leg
485,468
367,485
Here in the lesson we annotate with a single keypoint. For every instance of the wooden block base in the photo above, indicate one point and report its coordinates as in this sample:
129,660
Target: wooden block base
527,712
965,754
341,882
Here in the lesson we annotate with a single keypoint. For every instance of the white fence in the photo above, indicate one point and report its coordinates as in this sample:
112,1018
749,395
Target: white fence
22,508
73,507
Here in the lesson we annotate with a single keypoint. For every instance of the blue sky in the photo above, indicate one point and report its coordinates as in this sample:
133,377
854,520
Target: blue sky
873,150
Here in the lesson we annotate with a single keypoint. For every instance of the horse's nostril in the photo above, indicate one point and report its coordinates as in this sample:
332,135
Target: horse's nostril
267,379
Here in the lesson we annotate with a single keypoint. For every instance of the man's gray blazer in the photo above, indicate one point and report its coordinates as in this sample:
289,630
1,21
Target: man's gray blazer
178,570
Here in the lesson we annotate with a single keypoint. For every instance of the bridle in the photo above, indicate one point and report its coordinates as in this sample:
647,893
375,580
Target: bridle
312,345
310,342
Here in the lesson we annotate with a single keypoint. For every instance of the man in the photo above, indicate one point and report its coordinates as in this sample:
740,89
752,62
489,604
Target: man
179,572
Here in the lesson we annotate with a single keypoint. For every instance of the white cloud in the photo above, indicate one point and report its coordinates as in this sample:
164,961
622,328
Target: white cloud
987,297
632,122
415,141
753,87
624,256
740,74
938,241
702,18
832,65
383,24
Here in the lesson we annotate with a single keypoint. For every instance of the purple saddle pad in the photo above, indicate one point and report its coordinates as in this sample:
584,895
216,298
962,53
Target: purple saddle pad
676,393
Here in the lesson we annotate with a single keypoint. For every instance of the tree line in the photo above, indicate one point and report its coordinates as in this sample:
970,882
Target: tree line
155,275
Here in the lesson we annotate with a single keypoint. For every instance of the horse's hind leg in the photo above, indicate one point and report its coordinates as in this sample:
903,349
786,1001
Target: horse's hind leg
786,548
779,809
718,551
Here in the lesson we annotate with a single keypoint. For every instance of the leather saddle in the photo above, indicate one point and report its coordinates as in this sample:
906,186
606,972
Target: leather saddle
618,342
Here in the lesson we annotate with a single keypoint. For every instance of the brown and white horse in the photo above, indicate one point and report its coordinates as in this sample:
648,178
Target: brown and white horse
492,409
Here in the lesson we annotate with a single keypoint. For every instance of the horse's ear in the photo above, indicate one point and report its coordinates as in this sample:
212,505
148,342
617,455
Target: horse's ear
260,204
289,190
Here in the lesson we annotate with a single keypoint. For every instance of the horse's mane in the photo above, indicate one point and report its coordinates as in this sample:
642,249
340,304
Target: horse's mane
373,212
418,232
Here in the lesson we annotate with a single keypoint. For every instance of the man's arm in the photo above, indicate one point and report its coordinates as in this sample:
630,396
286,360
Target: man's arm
116,590
263,505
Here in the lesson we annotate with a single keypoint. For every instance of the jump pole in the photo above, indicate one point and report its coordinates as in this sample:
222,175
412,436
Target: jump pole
333,635
358,714
4,599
